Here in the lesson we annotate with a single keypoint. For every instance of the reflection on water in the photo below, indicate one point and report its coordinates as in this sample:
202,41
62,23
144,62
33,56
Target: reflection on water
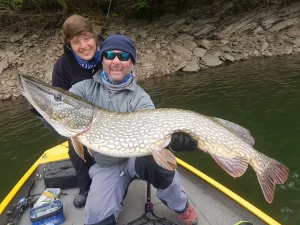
261,95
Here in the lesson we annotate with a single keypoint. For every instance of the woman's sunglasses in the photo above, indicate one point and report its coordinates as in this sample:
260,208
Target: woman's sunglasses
122,56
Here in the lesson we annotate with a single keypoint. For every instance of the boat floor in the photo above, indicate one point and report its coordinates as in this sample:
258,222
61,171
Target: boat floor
213,207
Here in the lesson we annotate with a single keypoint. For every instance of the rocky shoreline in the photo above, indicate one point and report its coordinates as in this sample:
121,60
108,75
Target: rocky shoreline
189,42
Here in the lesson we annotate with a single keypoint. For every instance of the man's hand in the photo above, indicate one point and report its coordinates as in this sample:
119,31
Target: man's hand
182,142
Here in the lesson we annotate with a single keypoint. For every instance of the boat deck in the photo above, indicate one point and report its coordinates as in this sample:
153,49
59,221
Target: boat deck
213,206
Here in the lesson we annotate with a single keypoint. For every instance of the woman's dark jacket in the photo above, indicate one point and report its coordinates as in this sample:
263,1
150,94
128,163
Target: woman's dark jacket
67,71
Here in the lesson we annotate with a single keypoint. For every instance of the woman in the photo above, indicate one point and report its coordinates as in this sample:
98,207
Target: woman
80,61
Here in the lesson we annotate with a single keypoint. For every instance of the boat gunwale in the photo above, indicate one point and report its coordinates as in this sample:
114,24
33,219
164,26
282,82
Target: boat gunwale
56,154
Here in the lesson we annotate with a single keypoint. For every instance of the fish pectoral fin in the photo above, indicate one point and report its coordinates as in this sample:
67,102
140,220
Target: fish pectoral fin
165,159
235,166
78,148
89,150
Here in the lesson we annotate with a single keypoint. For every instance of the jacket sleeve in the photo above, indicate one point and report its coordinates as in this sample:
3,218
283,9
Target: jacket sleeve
79,88
60,75
142,101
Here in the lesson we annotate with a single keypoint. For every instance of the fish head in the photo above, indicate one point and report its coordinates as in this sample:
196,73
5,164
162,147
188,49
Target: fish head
67,113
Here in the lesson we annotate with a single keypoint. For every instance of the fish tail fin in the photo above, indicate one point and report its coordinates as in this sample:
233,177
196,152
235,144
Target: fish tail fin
275,173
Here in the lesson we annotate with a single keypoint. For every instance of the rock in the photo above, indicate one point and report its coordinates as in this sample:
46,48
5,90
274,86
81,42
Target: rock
243,24
187,54
224,41
48,74
293,32
264,46
199,52
205,43
97,29
288,50
164,52
148,66
267,53
142,33
150,39
16,37
229,57
49,51
284,24
189,44
225,48
149,51
9,53
178,62
6,97
255,52
3,65
297,42
192,65
13,58
211,60
249,27
22,70
258,30
177,24
205,31
267,23
148,57
2,55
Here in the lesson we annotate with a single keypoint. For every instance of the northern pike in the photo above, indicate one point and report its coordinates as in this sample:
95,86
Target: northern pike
135,134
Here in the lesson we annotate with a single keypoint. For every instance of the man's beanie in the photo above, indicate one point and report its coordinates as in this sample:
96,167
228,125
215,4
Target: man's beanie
118,42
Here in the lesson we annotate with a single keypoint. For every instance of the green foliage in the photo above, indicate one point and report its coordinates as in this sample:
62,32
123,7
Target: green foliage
12,3
141,5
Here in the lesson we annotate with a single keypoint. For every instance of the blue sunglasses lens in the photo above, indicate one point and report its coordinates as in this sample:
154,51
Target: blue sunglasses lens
122,56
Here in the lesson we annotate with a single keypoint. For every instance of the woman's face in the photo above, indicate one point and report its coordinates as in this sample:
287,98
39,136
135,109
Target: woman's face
84,45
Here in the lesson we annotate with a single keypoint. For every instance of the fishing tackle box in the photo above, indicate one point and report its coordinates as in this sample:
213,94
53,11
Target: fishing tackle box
48,213
60,174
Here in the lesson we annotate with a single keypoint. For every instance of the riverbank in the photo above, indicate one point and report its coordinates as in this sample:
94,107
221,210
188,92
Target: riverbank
194,40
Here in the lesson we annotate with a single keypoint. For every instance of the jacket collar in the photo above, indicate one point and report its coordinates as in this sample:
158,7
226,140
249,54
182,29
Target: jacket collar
132,86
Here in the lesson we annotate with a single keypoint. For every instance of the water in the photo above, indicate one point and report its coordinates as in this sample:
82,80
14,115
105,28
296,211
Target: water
262,95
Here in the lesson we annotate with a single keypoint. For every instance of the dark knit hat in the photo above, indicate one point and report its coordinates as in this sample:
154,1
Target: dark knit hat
118,42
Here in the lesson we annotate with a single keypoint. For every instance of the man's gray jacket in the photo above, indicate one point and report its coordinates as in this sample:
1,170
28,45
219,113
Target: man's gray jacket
129,99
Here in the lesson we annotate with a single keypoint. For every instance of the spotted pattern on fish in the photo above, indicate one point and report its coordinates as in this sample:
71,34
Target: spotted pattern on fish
149,132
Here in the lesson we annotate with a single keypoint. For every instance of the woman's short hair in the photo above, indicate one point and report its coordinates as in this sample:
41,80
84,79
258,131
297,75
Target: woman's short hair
75,25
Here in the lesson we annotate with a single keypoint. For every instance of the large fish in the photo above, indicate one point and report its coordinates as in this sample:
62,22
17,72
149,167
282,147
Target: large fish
149,132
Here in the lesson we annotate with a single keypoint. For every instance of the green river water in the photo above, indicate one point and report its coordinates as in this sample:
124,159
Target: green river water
262,95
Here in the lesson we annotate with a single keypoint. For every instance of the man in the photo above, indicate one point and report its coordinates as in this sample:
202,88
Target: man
115,88
80,61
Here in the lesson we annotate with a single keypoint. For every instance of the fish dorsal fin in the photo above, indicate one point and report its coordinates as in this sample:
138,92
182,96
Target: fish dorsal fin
78,147
165,159
240,131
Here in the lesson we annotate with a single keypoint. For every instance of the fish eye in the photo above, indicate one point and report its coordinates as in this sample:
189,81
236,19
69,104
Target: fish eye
57,97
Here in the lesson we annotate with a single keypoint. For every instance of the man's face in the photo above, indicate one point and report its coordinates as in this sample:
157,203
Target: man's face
115,69
84,45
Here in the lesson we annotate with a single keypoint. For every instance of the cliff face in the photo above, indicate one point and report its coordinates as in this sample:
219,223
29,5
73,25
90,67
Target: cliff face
194,39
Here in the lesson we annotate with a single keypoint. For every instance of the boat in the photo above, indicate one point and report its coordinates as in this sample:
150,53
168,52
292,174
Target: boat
214,203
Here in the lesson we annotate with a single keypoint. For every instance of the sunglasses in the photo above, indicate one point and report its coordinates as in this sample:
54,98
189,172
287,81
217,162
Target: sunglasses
122,56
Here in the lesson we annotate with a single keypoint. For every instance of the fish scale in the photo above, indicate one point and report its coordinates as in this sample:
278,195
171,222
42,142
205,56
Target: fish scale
135,134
